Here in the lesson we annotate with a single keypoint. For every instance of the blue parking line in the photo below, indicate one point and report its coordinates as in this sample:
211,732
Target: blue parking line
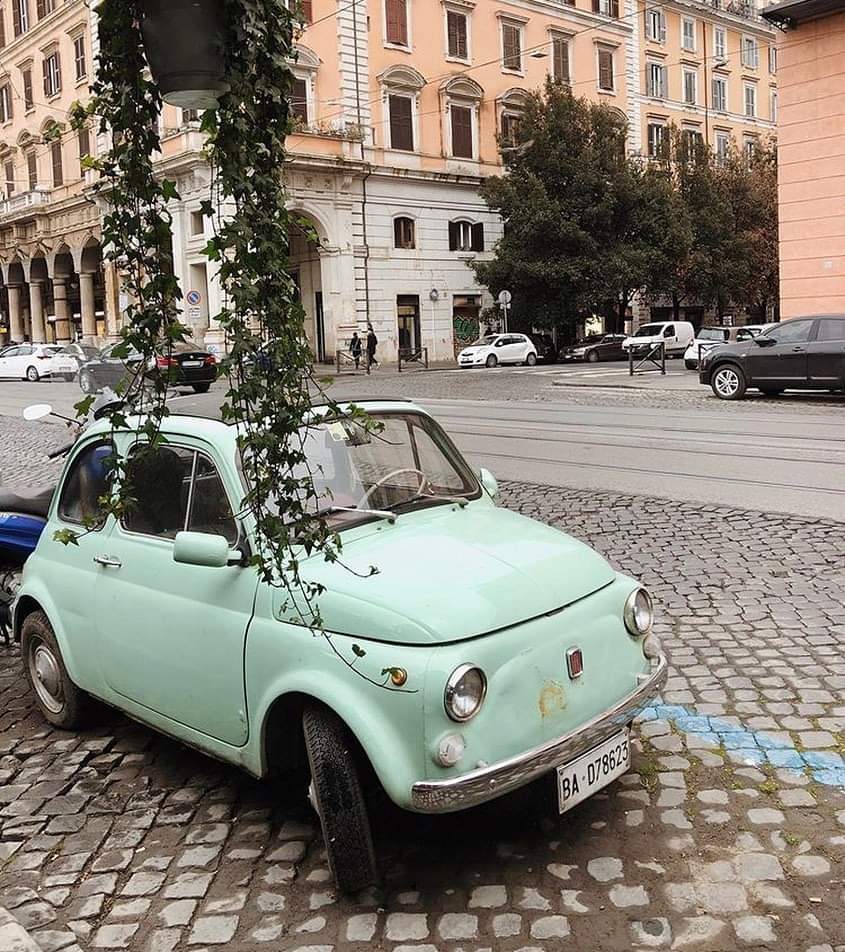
754,747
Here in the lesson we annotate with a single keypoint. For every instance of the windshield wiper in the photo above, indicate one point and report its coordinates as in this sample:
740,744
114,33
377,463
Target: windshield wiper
378,513
461,501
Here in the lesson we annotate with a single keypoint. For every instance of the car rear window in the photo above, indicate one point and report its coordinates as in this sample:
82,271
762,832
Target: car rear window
830,329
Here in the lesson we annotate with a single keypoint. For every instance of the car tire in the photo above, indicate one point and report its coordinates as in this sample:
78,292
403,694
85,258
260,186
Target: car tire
61,702
691,365
593,357
69,377
531,360
339,800
491,361
201,387
86,382
728,382
32,374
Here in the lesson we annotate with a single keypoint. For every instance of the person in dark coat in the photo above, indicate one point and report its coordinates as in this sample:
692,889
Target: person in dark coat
355,349
372,343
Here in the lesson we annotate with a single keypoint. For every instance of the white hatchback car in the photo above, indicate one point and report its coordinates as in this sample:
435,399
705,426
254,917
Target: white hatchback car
495,349
70,358
27,361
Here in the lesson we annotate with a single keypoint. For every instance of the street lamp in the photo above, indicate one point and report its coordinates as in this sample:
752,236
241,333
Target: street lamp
185,46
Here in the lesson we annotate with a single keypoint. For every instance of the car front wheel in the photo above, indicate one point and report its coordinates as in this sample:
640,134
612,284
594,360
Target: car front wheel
32,374
86,382
531,360
728,382
492,360
338,797
593,357
61,701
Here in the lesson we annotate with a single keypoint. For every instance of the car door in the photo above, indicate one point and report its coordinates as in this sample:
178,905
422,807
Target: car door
515,349
172,635
826,355
8,362
784,362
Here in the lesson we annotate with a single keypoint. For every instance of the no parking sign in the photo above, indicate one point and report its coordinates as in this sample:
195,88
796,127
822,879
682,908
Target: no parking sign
194,299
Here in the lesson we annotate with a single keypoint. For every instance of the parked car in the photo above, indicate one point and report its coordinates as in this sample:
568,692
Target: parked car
27,361
596,348
70,358
546,348
488,650
676,335
185,366
805,353
707,338
497,349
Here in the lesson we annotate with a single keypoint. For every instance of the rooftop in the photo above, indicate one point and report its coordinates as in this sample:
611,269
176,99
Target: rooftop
792,13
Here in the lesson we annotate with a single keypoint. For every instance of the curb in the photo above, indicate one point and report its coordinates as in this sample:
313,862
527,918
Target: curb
617,386
13,936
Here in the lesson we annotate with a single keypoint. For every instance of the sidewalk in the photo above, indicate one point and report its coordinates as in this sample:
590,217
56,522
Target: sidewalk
13,936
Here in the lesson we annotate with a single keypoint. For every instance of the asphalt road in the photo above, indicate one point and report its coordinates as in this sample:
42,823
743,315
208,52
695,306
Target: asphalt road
775,456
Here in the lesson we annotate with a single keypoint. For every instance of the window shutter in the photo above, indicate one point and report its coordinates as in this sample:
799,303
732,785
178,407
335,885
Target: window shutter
457,30
16,17
58,71
478,237
2,28
401,128
596,6
560,59
454,236
46,68
614,8
605,69
461,131
58,170
84,148
307,11
28,98
41,9
32,170
299,99
397,22
512,54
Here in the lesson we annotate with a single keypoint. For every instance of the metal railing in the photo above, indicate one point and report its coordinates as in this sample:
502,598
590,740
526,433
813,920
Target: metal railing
418,356
19,203
346,363
656,356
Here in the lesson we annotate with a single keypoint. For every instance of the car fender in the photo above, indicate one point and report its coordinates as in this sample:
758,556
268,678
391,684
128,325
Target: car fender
35,596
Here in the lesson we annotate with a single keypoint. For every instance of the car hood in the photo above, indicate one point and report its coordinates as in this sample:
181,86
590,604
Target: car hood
444,575
471,351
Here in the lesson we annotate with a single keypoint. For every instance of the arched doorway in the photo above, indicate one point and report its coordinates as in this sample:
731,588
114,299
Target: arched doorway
92,295
306,268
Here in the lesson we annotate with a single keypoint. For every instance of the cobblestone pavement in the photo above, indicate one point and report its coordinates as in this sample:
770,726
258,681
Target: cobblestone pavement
119,838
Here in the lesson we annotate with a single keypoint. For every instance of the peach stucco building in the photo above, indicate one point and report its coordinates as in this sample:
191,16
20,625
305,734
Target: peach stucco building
811,160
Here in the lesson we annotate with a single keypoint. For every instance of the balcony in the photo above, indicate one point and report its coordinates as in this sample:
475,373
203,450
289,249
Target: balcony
23,202
746,9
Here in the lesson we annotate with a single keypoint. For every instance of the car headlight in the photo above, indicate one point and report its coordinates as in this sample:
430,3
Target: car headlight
465,691
639,613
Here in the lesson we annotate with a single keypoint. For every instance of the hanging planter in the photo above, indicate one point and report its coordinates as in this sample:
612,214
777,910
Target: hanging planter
185,47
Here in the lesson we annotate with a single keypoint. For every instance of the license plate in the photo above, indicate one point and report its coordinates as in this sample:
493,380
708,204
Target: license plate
591,771
192,363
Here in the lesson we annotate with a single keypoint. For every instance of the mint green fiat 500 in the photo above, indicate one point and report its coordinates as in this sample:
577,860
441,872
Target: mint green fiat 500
483,652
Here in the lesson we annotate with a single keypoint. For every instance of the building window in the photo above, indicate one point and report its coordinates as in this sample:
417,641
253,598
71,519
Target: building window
655,81
396,20
688,34
52,75
6,103
44,7
306,11
723,147
401,123
58,168
750,52
460,120
403,233
28,93
20,16
720,94
692,142
80,57
32,170
720,43
609,8
773,105
84,143
605,63
512,47
457,35
655,25
560,59
750,100
2,27
656,134
464,236
749,145
197,220
299,100
509,129
773,60
9,170
690,87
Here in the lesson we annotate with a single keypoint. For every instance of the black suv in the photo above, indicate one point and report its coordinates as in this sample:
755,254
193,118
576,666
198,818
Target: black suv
805,353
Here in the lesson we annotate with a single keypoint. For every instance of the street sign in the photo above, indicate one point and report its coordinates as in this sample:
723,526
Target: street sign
193,298
505,298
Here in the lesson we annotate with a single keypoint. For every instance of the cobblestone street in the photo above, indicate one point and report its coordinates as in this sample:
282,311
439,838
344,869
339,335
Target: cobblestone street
728,834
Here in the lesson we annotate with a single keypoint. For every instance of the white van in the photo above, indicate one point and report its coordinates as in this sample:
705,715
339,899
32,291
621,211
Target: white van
676,335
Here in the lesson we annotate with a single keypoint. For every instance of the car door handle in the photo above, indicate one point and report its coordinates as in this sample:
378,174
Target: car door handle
798,350
108,560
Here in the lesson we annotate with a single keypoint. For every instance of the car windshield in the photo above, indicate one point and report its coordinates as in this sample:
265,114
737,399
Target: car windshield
649,330
711,333
409,462
485,341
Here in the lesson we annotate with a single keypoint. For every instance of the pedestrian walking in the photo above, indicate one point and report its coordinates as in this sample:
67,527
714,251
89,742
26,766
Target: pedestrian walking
372,343
355,349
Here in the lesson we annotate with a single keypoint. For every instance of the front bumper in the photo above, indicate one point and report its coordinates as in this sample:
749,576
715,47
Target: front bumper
487,783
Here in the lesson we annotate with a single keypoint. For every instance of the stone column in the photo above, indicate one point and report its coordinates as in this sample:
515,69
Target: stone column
16,330
36,307
89,316
62,327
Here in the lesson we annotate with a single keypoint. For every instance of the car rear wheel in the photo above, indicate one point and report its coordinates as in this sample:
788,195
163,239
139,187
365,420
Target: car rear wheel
61,701
32,374
593,357
201,387
86,382
492,360
69,377
338,797
728,382
691,365
531,360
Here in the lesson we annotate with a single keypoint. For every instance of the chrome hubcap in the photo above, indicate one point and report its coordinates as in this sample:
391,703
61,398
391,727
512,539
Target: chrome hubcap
727,382
46,678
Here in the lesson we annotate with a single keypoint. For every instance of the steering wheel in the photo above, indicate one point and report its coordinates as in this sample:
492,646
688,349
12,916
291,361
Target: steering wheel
396,472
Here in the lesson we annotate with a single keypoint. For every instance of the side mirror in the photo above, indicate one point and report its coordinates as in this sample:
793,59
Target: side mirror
764,341
37,412
489,482
203,549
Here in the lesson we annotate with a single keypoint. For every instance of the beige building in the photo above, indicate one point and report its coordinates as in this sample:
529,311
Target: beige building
811,155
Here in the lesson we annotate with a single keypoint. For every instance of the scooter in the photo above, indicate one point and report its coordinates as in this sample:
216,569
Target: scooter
23,513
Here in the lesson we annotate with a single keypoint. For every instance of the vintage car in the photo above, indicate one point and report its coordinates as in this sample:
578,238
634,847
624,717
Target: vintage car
485,649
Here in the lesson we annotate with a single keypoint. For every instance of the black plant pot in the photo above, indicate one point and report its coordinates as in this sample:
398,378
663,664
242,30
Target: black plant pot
185,46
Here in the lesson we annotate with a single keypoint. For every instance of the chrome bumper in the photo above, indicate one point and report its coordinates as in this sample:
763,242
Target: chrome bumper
487,783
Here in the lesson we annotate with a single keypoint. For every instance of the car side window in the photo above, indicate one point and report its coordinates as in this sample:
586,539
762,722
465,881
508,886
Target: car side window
669,331
159,482
210,509
793,332
85,485
12,352
831,330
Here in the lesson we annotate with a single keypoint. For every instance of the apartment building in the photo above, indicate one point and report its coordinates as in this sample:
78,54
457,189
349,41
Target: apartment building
709,67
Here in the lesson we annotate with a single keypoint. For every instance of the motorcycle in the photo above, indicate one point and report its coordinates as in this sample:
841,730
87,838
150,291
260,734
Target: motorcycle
23,513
